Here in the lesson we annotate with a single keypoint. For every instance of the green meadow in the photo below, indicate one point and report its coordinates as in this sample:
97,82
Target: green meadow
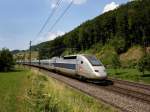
11,90
32,91
129,74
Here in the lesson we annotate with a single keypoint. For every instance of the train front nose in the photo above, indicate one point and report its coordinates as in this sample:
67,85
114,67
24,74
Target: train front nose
101,73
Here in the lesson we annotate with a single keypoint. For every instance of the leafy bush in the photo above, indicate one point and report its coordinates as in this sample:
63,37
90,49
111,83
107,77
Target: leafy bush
106,55
6,60
118,43
115,61
144,64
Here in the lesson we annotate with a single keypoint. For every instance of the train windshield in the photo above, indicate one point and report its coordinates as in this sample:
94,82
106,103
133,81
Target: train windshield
94,61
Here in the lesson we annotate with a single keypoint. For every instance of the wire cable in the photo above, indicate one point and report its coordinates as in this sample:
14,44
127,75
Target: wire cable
61,16
48,19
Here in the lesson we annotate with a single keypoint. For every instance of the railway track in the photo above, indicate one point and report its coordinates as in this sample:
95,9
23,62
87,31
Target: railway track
123,95
139,91
133,94
134,90
133,84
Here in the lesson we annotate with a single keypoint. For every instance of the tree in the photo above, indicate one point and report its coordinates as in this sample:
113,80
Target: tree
6,60
118,43
144,64
115,63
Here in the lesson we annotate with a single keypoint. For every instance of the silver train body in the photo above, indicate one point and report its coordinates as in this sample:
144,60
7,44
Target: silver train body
83,66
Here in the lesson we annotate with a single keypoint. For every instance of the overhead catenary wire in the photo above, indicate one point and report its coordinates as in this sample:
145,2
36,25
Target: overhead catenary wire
61,16
48,19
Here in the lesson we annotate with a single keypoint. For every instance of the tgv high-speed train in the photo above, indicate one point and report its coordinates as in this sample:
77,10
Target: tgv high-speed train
82,66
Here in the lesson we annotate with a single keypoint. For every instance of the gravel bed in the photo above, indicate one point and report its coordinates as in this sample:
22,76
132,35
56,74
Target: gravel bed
122,102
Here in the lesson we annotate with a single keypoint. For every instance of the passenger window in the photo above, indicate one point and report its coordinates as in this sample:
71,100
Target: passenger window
81,62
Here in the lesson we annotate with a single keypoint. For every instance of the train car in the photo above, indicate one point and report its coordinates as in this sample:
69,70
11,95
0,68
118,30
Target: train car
82,66
66,65
35,62
49,63
89,67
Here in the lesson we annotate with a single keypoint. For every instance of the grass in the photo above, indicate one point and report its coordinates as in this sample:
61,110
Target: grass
130,74
10,90
54,96
31,91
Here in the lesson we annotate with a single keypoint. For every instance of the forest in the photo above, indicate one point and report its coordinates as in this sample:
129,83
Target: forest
122,28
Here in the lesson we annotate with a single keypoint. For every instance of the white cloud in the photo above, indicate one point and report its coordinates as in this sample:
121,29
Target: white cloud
76,2
50,36
110,6
53,5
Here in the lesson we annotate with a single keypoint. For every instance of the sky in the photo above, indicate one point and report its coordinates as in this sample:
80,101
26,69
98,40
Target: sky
21,20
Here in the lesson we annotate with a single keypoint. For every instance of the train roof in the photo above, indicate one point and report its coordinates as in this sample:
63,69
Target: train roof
74,56
45,60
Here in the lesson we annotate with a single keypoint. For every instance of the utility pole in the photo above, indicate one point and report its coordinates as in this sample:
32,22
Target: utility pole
39,55
30,52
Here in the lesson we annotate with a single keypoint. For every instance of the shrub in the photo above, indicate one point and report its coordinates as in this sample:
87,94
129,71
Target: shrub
144,64
118,43
6,60
106,55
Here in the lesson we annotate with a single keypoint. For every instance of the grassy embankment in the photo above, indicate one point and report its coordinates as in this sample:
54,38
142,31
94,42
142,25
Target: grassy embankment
31,91
130,75
129,71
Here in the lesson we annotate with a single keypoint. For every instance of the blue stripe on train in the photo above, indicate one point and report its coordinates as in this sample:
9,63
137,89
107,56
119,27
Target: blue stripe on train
65,65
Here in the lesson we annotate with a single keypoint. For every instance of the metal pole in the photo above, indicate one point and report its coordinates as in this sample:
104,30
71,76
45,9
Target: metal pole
39,56
30,52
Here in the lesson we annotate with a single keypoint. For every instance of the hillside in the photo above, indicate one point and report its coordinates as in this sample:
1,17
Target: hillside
132,56
122,28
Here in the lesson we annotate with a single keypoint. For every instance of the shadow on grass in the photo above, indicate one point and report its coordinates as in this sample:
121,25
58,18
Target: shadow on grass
146,75
12,71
